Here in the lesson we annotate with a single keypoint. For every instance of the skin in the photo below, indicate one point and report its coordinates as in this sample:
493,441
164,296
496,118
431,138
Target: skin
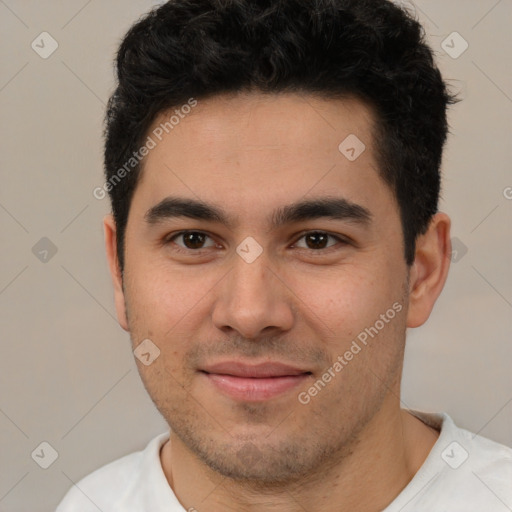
351,447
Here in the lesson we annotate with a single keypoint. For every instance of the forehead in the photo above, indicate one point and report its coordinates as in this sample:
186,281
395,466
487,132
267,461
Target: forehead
246,150
252,120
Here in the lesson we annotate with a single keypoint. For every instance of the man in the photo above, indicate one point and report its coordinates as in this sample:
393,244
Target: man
273,169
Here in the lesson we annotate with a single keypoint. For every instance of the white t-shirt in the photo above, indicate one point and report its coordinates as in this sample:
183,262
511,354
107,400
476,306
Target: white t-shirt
462,473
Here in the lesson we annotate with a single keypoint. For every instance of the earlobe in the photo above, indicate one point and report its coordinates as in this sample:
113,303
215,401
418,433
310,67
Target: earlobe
429,270
109,227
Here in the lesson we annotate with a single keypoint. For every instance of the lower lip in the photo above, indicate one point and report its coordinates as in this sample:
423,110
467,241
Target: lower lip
252,389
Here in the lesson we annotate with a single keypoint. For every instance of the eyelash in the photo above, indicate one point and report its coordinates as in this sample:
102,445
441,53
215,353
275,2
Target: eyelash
170,239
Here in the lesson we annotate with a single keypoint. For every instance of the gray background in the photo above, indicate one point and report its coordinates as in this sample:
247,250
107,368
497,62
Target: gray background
67,374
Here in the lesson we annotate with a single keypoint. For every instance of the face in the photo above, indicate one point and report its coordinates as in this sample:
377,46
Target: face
280,327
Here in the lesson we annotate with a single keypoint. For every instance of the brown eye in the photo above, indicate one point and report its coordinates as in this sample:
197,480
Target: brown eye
317,240
192,240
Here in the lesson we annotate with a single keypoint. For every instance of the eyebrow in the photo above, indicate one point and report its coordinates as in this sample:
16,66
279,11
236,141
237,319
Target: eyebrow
336,208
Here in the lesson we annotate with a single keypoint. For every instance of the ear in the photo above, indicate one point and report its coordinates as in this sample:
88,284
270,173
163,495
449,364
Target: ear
429,270
109,227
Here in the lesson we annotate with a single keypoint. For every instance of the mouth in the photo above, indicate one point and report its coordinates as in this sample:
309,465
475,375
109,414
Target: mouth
254,383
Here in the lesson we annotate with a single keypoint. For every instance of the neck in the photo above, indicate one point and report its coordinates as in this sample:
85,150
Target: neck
381,461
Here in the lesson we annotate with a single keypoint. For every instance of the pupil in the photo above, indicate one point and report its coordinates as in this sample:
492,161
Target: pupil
195,239
316,236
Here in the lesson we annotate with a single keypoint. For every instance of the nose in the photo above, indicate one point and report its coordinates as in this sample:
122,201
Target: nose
253,298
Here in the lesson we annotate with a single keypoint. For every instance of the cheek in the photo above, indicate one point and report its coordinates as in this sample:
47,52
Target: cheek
151,304
168,306
164,295
344,301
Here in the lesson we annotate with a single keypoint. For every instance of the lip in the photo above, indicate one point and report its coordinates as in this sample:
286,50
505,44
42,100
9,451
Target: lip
254,383
261,370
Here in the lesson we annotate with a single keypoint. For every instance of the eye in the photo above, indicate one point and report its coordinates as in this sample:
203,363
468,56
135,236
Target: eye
193,241
317,240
